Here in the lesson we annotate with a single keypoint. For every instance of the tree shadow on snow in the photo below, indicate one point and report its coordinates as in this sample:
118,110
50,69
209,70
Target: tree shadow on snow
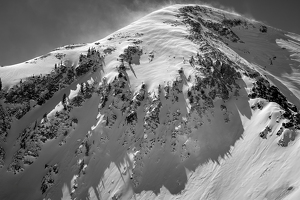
162,167
212,142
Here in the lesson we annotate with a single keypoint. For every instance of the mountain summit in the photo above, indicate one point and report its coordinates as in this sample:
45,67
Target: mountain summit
189,102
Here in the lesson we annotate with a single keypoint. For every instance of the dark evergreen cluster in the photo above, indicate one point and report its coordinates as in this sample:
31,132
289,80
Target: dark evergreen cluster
265,132
39,89
263,29
219,74
131,117
87,62
196,23
219,84
263,89
48,179
118,103
219,80
32,138
2,157
129,52
222,31
152,117
16,102
233,22
5,123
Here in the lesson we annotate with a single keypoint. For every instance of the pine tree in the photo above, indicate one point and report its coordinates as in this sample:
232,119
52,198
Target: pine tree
45,115
35,125
64,99
81,88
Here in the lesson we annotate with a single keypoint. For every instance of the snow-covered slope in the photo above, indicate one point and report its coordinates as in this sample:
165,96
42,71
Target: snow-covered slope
189,102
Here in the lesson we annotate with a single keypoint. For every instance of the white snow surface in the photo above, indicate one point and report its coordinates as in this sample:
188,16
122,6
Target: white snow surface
227,160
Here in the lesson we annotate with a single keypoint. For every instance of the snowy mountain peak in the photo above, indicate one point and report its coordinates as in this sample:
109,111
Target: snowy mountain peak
188,102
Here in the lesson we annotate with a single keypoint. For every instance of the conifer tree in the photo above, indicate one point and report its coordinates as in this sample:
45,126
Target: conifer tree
64,98
81,88
45,115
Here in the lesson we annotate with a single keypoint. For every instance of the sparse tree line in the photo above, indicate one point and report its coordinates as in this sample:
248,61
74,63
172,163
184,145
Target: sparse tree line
263,89
37,89
32,138
223,28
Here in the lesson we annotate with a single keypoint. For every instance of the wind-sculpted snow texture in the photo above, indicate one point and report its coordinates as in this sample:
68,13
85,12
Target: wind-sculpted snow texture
161,109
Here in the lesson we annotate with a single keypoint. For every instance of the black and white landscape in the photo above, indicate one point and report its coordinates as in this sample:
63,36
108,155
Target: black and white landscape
189,102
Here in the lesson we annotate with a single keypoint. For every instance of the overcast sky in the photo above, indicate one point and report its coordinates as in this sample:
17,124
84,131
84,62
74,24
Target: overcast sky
30,28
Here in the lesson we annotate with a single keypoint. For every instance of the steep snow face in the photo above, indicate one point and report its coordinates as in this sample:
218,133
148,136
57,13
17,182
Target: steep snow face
176,105
275,53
